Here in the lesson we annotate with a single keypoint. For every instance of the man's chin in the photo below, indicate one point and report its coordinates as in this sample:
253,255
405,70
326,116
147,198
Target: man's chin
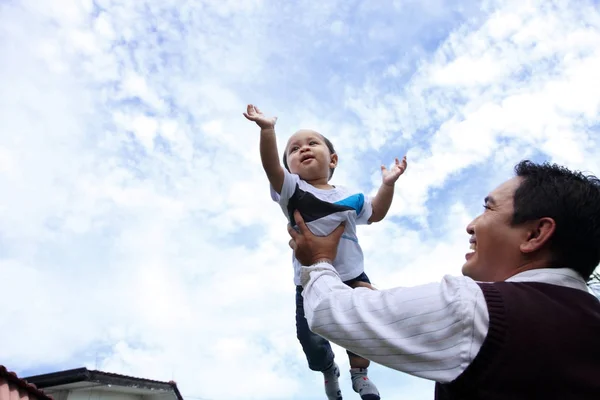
468,269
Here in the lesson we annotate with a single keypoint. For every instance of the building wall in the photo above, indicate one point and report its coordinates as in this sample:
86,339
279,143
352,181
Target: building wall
91,394
11,392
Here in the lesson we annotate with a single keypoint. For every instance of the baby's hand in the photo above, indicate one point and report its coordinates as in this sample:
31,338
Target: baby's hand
389,177
254,114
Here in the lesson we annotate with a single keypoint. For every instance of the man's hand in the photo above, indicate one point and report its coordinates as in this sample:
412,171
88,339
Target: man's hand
308,248
254,114
389,177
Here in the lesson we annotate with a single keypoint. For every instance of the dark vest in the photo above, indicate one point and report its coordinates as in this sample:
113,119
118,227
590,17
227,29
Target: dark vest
543,342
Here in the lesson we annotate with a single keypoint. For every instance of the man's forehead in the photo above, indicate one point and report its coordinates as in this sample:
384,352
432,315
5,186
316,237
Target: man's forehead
504,191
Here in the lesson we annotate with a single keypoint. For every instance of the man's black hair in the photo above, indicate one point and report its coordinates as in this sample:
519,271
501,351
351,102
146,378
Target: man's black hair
331,151
572,199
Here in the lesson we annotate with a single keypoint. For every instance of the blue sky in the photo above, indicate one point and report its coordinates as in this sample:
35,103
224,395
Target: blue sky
136,228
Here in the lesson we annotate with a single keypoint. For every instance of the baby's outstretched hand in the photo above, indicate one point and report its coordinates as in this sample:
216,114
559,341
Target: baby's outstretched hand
390,176
254,114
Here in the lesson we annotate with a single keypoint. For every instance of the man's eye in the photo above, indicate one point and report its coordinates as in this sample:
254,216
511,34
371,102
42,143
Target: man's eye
313,143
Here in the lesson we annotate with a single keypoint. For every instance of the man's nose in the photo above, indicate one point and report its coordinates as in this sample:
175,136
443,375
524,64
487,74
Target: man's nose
471,227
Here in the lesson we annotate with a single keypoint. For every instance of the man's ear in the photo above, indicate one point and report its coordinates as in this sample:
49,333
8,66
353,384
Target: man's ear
539,233
333,161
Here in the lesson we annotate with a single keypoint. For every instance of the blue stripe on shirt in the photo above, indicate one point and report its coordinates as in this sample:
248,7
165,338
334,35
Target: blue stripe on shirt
356,201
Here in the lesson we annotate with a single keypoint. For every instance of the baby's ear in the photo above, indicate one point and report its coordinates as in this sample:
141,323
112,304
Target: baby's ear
333,161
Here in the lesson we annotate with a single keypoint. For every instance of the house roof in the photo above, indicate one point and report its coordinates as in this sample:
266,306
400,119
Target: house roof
107,378
22,384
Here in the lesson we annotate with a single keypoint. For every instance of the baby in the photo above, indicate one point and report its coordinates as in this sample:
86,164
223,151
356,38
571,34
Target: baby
310,161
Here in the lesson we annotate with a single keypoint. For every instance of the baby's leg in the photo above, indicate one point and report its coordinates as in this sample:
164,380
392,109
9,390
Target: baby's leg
318,351
358,365
360,281
355,284
361,383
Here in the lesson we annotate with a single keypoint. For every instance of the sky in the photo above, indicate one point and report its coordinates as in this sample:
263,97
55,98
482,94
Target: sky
137,233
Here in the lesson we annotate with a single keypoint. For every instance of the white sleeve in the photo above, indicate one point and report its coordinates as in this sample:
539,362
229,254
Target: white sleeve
367,210
432,331
287,189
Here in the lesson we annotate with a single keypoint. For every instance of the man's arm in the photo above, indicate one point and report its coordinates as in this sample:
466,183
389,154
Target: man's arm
431,331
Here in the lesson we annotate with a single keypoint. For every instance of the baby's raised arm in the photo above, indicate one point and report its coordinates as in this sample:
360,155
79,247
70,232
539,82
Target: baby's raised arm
383,199
268,146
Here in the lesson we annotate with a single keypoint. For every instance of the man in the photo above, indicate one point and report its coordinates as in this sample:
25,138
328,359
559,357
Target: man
520,323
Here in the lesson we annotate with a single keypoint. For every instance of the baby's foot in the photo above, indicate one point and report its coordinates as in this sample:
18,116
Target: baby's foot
332,385
363,385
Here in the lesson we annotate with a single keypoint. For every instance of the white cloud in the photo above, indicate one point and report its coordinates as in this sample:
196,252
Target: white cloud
530,86
134,204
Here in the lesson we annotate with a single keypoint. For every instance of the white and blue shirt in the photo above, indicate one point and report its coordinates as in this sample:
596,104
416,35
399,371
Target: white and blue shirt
323,210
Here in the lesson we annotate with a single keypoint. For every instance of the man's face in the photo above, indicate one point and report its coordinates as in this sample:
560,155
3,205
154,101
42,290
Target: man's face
495,250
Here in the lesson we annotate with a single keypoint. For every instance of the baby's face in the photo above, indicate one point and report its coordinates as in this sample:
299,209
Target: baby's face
308,156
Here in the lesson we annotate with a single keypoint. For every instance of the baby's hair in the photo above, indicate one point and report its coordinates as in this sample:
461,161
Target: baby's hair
329,146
